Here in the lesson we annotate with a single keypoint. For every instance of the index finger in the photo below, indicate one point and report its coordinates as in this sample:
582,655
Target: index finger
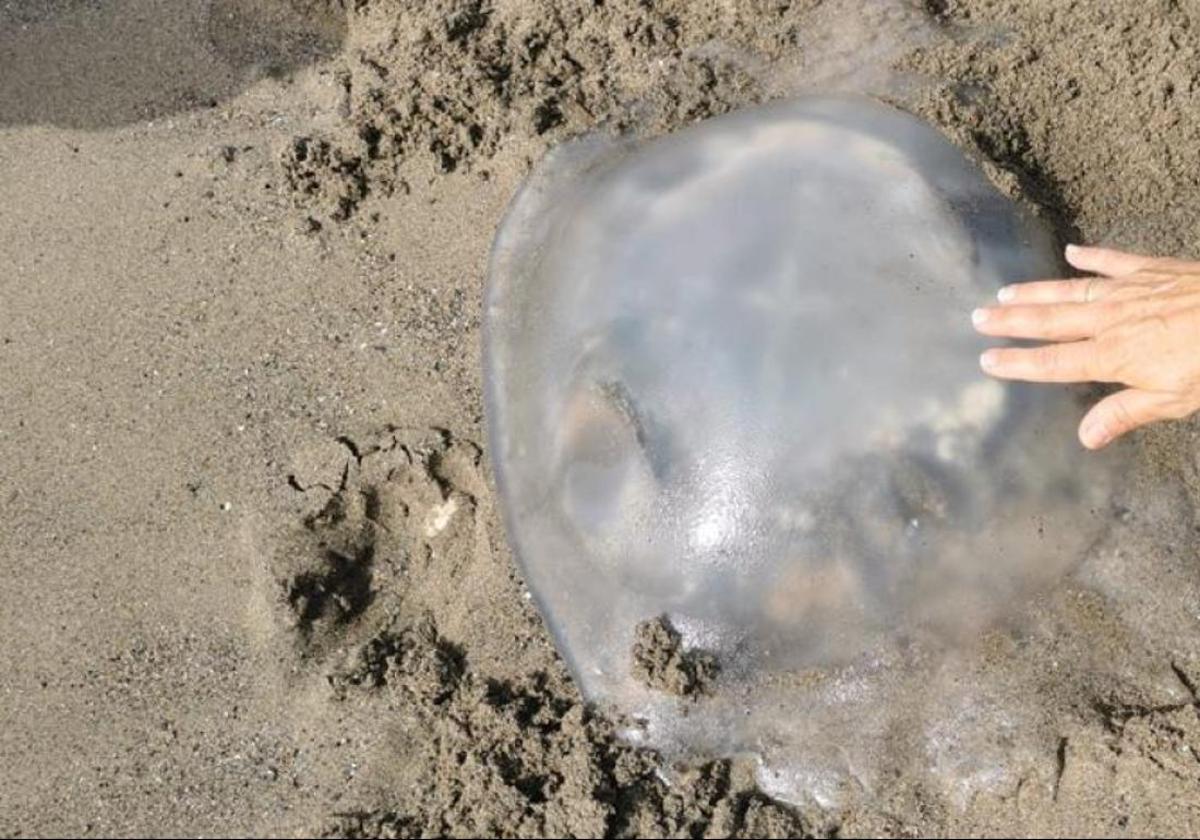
1113,263
1076,361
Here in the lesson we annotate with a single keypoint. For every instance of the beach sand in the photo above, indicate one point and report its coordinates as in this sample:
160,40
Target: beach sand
253,577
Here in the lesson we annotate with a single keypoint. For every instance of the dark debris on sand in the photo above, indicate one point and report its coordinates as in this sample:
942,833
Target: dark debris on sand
661,662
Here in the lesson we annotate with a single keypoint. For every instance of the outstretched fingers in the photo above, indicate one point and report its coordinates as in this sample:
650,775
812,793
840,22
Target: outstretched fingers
1125,324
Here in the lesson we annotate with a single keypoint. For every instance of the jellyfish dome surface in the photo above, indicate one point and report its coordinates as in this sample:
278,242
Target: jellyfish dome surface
732,386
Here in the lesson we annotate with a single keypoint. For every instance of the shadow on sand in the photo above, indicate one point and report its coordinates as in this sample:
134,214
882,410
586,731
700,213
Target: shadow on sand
94,64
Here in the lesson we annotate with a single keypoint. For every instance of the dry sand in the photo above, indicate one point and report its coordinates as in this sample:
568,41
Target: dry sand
253,579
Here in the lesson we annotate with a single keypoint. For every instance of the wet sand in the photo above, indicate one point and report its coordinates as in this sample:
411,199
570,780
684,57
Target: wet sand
253,576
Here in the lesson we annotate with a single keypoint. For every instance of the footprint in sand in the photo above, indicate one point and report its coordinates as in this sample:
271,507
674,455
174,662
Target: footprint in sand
376,512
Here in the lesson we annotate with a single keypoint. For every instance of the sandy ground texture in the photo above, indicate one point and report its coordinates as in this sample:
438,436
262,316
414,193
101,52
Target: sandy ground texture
252,574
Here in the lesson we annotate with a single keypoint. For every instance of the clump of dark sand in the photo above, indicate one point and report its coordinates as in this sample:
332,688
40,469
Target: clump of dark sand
661,662
454,85
359,591
526,757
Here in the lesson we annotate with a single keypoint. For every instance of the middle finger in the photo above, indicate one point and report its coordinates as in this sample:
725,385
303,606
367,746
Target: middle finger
1051,321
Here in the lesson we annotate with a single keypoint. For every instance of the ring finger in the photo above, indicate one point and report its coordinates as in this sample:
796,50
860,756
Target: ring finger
1077,361
1083,290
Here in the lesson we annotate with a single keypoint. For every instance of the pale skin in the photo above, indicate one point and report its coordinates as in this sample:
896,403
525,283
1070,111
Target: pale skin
1135,322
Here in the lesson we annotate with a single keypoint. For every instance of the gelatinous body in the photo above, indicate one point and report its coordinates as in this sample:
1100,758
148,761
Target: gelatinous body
731,379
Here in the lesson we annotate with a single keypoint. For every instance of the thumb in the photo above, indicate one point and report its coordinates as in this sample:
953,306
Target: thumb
1123,412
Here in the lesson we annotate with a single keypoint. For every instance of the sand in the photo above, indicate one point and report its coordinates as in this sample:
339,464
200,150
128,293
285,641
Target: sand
253,576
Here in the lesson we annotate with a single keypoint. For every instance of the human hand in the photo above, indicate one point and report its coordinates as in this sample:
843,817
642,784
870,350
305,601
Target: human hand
1137,323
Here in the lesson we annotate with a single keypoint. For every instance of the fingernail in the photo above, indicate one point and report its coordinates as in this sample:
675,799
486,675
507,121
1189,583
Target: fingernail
987,360
979,316
1006,294
1093,435
1073,249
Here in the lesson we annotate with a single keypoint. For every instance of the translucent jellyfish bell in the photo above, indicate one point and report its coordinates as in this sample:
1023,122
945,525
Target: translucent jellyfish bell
731,380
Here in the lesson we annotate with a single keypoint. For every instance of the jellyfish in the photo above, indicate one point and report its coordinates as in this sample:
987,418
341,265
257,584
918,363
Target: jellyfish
733,396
